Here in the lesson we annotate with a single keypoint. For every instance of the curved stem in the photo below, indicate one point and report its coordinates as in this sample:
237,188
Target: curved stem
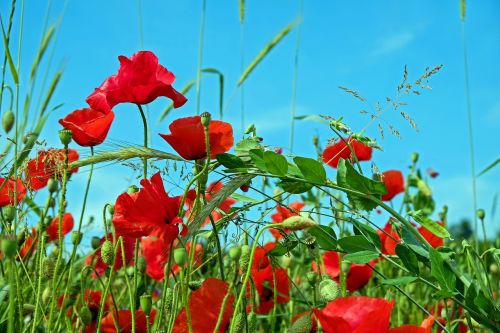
145,124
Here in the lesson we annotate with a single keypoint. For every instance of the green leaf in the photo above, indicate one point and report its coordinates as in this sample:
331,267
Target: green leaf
356,243
8,55
243,198
368,232
361,257
430,225
230,161
489,167
325,237
311,169
243,147
294,187
399,281
440,270
257,157
408,258
283,248
275,163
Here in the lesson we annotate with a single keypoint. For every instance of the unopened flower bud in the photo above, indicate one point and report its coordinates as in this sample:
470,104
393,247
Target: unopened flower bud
195,284
315,140
8,119
65,136
46,295
9,213
28,309
480,213
52,185
9,246
414,157
312,277
146,304
107,252
111,209
180,256
205,119
250,129
328,290
302,325
76,237
141,264
285,261
95,242
244,257
85,315
48,267
298,222
235,253
494,269
132,189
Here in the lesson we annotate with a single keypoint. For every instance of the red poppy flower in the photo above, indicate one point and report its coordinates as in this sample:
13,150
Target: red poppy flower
210,193
426,327
334,152
282,213
124,321
389,238
204,305
394,183
434,241
140,80
187,137
48,164
355,314
453,316
29,245
53,228
149,212
11,191
100,267
357,277
92,299
89,126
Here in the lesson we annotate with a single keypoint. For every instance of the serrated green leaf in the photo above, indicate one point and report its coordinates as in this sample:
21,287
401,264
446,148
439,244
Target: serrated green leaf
361,257
311,169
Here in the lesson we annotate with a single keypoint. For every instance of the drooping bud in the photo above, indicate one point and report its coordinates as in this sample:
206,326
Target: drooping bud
85,315
414,157
180,256
298,222
244,257
9,213
48,267
76,237
8,119
312,277
195,284
111,209
328,290
95,242
205,119
132,189
107,252
235,253
9,246
52,185
141,264
65,135
302,325
146,304
480,213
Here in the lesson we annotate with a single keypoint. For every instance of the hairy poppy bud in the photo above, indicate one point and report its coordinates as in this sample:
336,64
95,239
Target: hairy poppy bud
9,213
168,300
480,213
328,290
235,253
107,252
146,304
298,222
194,285
48,267
141,264
132,189
95,242
414,157
180,256
8,119
244,257
302,325
252,322
85,315
52,185
312,277
9,246
111,209
205,119
76,237
239,323
65,136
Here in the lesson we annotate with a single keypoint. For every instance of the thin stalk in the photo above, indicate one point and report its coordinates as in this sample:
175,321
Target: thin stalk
145,124
200,56
106,291
184,298
222,308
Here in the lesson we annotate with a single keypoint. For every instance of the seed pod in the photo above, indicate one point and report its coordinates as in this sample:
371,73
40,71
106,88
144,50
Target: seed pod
244,257
302,325
146,304
480,213
235,253
312,277
141,264
8,120
65,135
76,237
180,256
52,185
196,284
48,267
9,246
239,323
107,252
252,322
328,290
206,117
85,315
9,213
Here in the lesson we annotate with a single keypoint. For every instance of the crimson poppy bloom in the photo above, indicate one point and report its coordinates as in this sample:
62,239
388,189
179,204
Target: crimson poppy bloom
140,80
29,245
453,316
334,152
282,213
357,277
394,183
204,306
434,241
11,191
88,126
425,327
96,259
149,212
48,164
53,228
187,137
355,314
124,321
92,299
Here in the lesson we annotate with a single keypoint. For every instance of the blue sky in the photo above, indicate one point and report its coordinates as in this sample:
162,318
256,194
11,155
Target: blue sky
363,45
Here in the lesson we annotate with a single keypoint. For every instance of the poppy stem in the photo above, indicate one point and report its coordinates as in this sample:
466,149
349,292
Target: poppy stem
145,124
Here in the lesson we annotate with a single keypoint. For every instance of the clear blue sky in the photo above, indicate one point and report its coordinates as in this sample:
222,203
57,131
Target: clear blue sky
362,45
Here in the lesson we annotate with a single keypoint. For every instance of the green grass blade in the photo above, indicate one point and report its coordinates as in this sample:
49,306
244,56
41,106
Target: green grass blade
12,67
221,88
41,51
241,10
463,8
50,92
489,167
169,108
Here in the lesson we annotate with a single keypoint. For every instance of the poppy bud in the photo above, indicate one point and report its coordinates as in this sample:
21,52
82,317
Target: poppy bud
298,222
48,267
9,246
480,213
285,261
146,304
9,213
52,185
8,119
111,209
494,269
85,315
302,325
205,119
168,300
107,252
95,242
194,285
252,322
65,135
28,309
250,129
244,257
414,157
76,237
132,189
180,256
141,264
239,323
235,253
46,295
328,290
312,277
